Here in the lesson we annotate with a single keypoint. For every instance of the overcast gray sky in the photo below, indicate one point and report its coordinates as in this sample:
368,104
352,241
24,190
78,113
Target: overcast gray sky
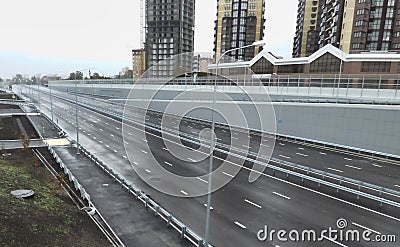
60,36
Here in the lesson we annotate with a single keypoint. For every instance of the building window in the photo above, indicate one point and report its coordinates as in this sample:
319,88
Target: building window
293,68
397,34
388,24
375,24
356,46
359,23
389,12
361,1
325,64
360,11
262,66
375,66
396,46
373,46
373,36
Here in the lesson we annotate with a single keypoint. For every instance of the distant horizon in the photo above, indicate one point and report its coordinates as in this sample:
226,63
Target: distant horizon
55,43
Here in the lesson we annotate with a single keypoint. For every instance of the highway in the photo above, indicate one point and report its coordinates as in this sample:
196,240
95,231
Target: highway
241,208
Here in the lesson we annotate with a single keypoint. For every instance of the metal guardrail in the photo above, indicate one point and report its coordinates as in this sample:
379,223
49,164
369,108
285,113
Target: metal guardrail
335,86
292,165
84,194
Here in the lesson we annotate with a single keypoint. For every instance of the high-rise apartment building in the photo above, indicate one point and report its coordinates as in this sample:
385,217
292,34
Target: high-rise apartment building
306,38
169,31
353,26
239,23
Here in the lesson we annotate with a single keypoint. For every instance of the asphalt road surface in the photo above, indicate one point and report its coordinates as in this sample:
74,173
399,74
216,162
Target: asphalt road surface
241,208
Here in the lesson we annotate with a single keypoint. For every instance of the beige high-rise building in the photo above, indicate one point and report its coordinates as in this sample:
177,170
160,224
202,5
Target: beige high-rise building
306,38
353,26
138,63
239,23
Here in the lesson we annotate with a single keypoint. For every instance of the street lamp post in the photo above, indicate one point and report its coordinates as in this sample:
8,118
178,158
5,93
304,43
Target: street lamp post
207,230
76,111
340,75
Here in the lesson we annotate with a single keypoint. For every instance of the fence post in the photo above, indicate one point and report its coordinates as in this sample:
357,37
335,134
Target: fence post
320,89
379,86
309,86
287,87
333,86
348,83
397,87
362,86
298,85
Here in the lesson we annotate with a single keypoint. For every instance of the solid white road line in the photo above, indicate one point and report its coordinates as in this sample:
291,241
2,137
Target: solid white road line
168,163
143,151
205,205
332,169
283,156
252,203
192,160
283,196
202,180
304,155
240,225
354,167
184,192
366,228
227,174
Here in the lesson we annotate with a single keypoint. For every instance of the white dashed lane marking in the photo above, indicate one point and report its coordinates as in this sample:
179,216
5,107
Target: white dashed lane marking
252,203
336,170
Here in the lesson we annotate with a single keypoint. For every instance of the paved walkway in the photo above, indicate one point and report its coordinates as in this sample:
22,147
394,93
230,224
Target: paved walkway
134,224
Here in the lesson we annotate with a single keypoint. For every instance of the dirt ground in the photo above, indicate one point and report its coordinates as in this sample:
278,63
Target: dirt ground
8,96
6,106
9,129
49,218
